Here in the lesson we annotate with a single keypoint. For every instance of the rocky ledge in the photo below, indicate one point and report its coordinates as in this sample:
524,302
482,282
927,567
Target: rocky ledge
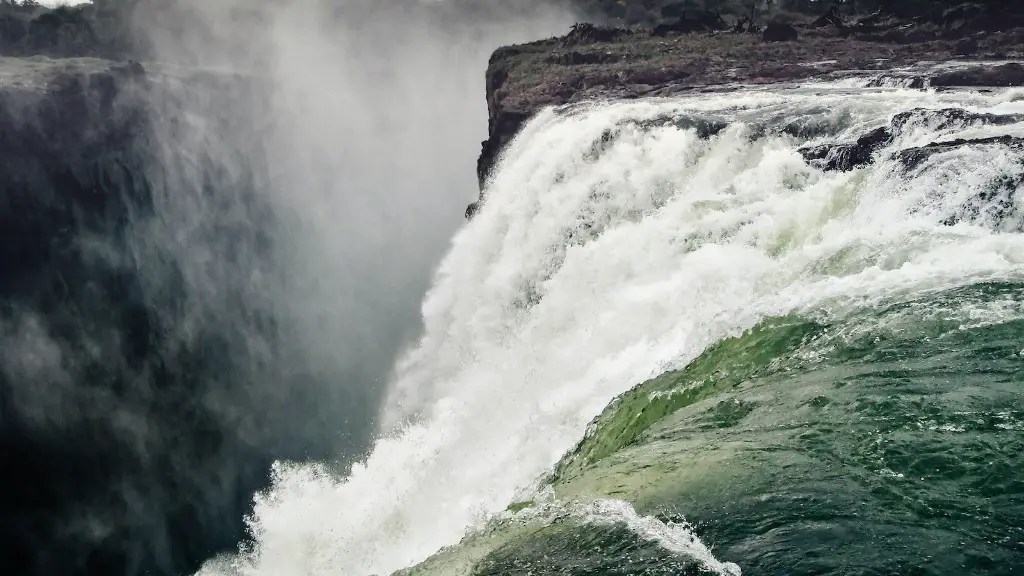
702,51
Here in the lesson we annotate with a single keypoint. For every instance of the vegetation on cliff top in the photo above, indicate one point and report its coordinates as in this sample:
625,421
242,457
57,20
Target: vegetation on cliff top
98,29
652,12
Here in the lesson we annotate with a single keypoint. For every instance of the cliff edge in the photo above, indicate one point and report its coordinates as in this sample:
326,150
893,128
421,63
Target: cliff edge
703,51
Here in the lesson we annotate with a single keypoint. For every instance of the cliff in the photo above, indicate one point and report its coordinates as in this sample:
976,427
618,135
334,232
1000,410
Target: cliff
134,371
703,51
69,135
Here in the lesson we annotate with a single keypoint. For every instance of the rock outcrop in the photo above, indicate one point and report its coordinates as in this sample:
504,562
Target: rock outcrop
844,157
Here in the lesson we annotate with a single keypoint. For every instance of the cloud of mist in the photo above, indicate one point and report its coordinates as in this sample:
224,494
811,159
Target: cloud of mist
369,116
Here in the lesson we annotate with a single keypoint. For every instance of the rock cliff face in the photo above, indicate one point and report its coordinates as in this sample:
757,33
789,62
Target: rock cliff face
69,139
594,63
139,365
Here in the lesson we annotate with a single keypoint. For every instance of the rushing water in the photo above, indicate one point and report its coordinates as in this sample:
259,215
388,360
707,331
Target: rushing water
820,371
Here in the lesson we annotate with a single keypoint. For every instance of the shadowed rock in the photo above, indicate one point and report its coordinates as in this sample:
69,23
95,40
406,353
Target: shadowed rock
504,126
779,32
846,157
687,22
1002,76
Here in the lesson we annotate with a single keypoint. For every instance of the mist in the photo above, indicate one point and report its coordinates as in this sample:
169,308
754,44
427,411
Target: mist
356,126
306,164
364,121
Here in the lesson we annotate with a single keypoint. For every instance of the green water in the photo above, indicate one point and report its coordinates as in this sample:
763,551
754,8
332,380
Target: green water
888,441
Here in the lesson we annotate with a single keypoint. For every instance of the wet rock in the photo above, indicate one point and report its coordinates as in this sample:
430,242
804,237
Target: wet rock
902,35
970,18
952,117
526,78
898,80
779,32
503,128
912,158
870,20
1002,76
472,209
846,157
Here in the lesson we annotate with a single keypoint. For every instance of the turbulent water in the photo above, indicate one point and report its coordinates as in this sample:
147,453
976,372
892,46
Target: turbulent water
784,369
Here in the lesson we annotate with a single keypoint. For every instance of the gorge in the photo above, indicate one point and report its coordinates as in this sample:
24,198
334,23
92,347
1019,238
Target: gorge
724,304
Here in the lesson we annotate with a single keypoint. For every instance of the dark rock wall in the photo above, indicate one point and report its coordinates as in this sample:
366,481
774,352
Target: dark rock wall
145,386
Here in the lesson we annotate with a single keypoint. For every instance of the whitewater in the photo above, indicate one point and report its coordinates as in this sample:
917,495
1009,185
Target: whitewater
619,240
